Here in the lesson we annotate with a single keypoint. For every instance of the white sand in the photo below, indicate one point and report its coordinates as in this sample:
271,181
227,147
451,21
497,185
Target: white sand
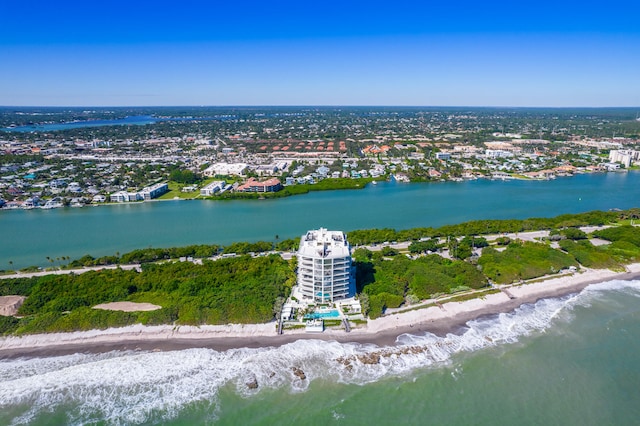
127,306
448,310
548,288
9,305
138,332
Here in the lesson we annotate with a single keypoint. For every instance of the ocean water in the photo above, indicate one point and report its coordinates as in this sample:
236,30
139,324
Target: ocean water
567,361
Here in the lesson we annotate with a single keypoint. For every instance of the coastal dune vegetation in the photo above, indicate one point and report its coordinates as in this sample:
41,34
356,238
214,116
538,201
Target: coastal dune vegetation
386,283
247,288
233,290
489,226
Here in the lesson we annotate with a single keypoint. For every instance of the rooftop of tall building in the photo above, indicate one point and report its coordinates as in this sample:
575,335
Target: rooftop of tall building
324,243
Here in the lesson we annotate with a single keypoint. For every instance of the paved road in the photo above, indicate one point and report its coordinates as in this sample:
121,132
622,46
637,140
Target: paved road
70,271
404,245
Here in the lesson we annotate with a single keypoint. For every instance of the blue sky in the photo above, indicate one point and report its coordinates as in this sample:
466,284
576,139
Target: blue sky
320,53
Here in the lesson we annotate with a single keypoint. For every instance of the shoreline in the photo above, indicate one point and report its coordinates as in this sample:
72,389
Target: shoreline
451,317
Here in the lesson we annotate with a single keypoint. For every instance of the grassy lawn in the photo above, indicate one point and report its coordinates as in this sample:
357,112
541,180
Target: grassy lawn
175,190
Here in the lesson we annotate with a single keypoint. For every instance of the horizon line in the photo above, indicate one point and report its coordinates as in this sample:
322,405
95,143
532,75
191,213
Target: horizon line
316,106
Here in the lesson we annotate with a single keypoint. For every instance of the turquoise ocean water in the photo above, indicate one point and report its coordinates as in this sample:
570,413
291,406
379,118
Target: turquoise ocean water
565,361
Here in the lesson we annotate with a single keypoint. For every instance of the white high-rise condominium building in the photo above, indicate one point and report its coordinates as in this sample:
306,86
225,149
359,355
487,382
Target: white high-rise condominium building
325,273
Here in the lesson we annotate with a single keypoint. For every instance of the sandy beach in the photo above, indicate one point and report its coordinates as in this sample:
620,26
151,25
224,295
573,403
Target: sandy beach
449,318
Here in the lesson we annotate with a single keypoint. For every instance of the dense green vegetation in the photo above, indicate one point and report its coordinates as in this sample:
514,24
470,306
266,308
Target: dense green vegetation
572,233
234,290
245,248
417,247
184,176
387,283
626,233
290,244
588,255
463,249
150,254
523,261
246,290
323,185
201,251
480,227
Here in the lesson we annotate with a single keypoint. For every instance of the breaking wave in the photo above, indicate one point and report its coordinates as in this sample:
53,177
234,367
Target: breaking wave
139,387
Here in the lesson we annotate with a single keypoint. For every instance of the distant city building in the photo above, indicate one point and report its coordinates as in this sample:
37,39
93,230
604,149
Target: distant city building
146,193
271,169
252,185
325,273
225,169
154,191
497,153
375,149
267,169
624,157
212,188
124,197
322,170
443,156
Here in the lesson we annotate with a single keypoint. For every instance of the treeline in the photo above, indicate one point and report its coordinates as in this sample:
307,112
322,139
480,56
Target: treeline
247,290
184,176
375,236
387,283
146,255
480,227
150,254
234,290
526,260
327,184
523,261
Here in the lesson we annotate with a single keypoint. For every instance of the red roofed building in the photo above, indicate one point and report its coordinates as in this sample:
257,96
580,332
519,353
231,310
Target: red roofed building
252,185
375,149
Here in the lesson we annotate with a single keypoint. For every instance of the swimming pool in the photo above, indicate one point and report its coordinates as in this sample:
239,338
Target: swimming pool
334,313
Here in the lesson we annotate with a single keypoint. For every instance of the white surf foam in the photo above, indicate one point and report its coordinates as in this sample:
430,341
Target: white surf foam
135,387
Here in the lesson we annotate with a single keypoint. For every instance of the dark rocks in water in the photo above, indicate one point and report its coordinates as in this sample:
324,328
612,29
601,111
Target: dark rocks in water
372,358
298,372
252,383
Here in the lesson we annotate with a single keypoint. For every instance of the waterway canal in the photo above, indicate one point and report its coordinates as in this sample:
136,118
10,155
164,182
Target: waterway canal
28,237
